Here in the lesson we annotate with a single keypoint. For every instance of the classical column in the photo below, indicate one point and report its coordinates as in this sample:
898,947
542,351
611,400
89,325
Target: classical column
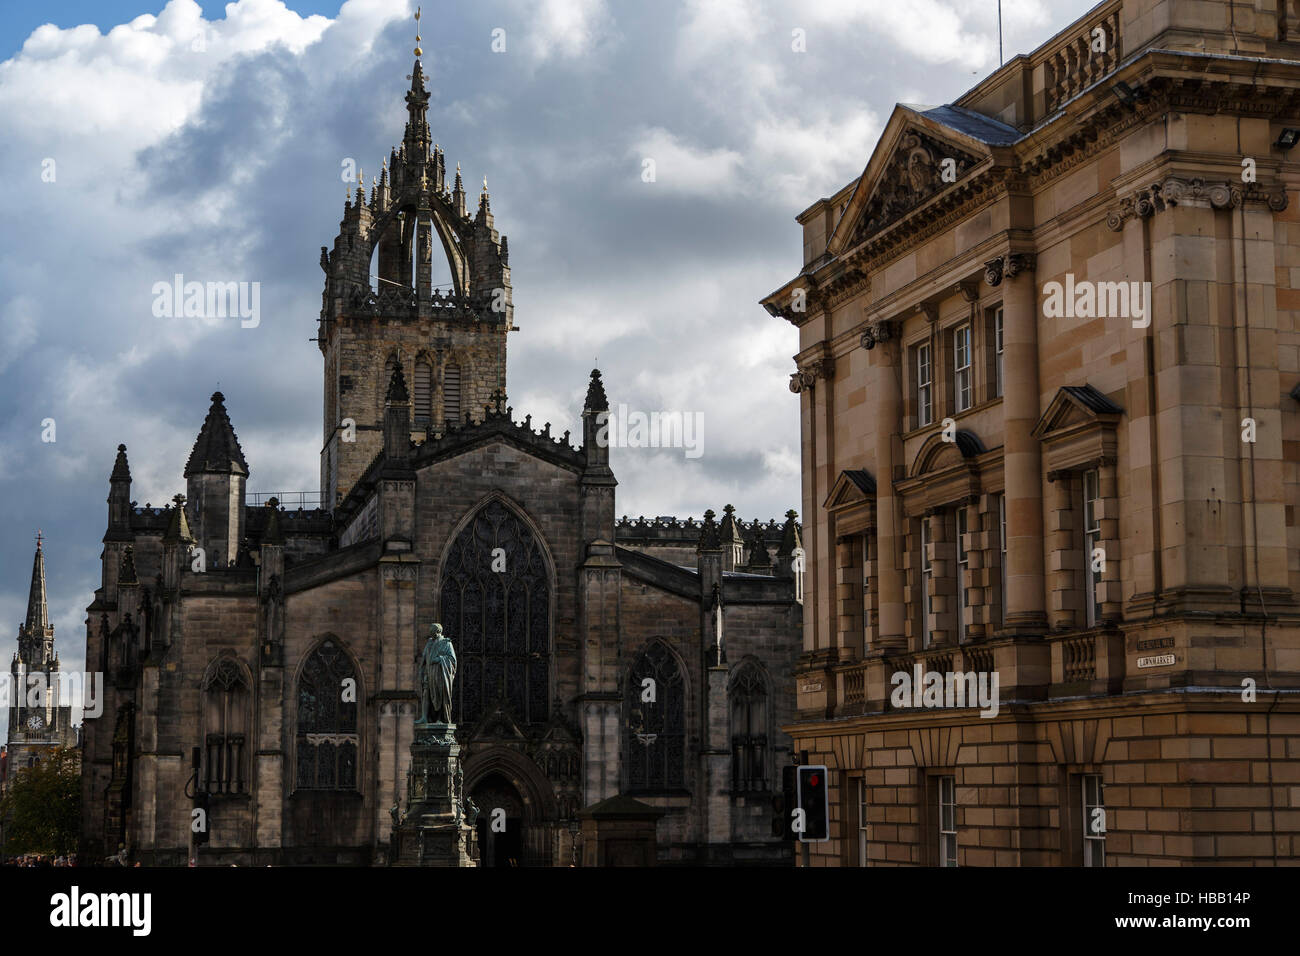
1021,455
881,339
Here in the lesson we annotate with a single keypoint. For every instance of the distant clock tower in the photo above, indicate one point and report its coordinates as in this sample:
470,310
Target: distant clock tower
39,722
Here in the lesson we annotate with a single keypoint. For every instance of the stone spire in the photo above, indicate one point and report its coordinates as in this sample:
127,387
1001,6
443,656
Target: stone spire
789,556
397,391
38,611
121,470
733,543
36,637
178,527
416,140
216,450
596,400
760,562
709,539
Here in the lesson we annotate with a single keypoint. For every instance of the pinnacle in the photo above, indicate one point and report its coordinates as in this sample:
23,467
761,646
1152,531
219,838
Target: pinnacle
217,448
596,399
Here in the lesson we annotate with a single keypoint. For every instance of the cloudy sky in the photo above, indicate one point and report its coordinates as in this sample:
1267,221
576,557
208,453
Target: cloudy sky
140,141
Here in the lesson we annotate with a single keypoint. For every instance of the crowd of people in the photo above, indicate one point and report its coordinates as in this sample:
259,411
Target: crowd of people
41,860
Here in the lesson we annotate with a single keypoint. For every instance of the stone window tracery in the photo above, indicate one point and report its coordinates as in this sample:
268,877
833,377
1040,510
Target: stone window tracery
328,742
496,608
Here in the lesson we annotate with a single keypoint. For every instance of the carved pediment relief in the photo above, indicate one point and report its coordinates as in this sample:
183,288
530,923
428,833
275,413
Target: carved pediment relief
914,173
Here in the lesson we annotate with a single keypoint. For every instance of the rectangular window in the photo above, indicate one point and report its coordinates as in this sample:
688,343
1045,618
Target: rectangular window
997,351
927,573
924,387
948,821
1093,556
961,375
1002,545
963,559
862,822
1094,821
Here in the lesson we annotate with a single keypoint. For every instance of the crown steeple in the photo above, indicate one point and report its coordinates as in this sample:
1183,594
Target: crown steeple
417,139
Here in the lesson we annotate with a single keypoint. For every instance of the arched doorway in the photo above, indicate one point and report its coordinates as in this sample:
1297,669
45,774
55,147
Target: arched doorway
500,822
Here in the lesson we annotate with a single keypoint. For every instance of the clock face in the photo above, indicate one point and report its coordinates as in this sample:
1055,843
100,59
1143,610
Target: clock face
35,722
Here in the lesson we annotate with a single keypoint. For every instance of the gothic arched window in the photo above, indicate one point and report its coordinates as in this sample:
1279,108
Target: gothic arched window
423,391
748,698
328,742
655,744
451,394
225,725
496,608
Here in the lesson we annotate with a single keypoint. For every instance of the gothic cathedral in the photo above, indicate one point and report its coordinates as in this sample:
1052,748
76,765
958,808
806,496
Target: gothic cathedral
227,625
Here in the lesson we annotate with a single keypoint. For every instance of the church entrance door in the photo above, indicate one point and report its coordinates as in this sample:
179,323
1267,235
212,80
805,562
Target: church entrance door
500,823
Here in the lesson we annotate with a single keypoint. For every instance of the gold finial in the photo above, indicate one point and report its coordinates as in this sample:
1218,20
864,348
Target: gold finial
418,51
485,183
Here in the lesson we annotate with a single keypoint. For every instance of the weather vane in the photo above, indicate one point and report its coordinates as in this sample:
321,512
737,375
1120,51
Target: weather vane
418,51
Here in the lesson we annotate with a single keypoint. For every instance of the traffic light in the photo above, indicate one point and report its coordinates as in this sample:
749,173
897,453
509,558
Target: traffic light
782,805
814,804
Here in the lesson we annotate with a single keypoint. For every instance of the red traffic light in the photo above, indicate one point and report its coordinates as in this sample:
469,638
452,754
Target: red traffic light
813,780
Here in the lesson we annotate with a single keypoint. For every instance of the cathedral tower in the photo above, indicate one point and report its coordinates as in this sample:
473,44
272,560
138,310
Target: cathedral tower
381,310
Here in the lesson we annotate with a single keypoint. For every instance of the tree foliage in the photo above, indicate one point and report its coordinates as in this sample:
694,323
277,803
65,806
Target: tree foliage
41,810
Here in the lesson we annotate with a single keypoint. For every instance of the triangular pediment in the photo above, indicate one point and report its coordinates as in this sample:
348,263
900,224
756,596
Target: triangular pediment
851,488
907,167
1074,406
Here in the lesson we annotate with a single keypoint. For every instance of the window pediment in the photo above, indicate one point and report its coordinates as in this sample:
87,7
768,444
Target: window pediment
852,501
1078,428
943,472
851,489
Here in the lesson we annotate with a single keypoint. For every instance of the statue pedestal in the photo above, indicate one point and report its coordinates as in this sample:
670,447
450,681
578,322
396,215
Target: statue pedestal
434,831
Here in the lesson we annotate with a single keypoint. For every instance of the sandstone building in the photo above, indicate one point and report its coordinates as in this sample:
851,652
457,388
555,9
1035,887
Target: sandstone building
1017,464
39,722
229,624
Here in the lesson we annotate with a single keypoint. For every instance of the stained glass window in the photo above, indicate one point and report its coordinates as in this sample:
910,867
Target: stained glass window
655,746
496,608
327,723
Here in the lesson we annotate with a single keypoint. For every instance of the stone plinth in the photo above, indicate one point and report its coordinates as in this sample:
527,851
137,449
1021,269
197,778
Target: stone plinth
435,830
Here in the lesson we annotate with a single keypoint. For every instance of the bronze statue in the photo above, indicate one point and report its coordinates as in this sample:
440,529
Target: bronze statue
437,671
